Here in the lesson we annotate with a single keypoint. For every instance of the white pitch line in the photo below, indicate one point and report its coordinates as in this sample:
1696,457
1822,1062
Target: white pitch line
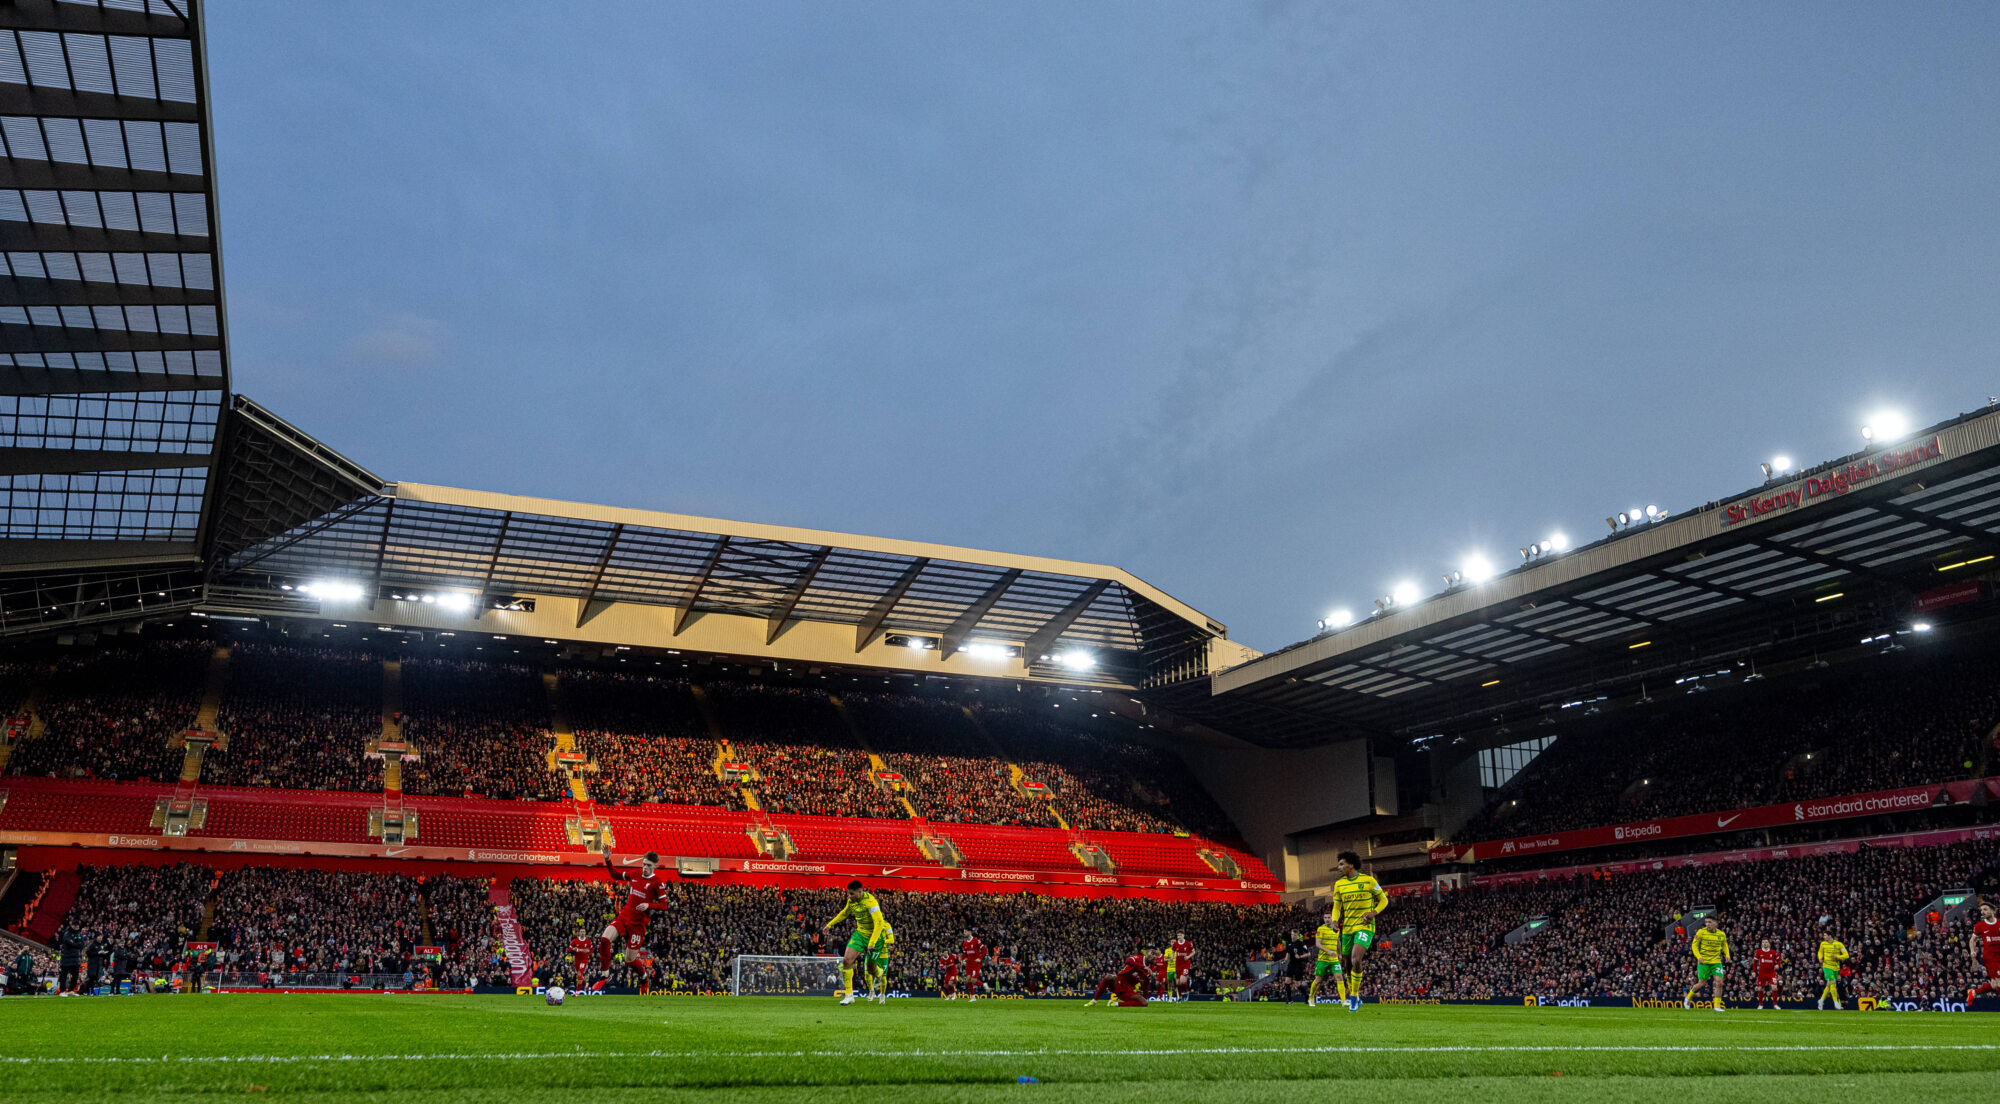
755,1054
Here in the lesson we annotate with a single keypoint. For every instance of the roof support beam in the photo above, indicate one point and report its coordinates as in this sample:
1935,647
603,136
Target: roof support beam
69,176
49,15
72,381
782,612
1044,638
1935,522
15,338
304,533
493,561
22,99
382,551
35,291
1822,558
961,626
872,621
700,582
48,461
37,236
596,573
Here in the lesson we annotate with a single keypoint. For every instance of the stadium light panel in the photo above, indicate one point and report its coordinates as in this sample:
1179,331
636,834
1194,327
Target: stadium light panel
1886,425
1781,464
456,602
1078,661
1405,593
333,590
1921,626
1477,569
1340,618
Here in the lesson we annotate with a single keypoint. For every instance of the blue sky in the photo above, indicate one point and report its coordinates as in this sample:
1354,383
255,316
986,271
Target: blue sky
1272,304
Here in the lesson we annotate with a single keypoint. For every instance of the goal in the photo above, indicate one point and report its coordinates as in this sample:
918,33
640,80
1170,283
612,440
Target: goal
784,975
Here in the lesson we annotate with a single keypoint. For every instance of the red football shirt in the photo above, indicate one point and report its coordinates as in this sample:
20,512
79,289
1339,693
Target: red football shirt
640,889
948,964
1767,963
1183,954
1134,968
972,951
1988,937
579,946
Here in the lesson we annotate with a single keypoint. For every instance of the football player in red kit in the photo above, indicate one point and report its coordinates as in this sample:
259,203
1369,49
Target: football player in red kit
971,956
579,954
1157,964
643,890
948,976
1986,950
1180,959
1129,983
1765,962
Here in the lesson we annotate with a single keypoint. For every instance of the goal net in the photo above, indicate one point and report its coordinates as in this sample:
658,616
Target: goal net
784,975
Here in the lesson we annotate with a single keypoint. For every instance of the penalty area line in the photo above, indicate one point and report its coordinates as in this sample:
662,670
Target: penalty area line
743,1055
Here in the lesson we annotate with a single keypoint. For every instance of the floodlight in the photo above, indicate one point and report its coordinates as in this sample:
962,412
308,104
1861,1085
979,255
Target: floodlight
1921,626
986,651
333,590
1476,569
1405,593
457,602
1340,618
1781,464
1652,511
1078,661
1886,425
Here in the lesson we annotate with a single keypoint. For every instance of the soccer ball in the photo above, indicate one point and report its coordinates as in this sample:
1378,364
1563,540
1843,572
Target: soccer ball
555,994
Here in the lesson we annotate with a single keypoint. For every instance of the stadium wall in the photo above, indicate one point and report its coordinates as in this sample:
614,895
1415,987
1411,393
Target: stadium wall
1273,794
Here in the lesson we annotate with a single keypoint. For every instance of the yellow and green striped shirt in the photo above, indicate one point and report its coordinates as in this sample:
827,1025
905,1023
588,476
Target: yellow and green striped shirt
1329,943
1709,947
1354,895
868,919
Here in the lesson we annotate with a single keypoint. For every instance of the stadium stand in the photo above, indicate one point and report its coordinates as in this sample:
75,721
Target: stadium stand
647,738
480,729
299,718
1899,721
109,713
1620,934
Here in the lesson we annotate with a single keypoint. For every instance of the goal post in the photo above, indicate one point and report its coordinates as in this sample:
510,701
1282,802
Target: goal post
784,975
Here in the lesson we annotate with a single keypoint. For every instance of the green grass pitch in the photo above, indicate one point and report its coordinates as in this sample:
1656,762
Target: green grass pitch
466,1048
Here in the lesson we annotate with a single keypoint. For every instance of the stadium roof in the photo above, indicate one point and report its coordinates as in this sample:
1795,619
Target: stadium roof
113,361
294,513
1853,548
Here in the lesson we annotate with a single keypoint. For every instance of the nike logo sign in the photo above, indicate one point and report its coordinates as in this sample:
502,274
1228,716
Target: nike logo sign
1722,822
890,869
635,861
392,852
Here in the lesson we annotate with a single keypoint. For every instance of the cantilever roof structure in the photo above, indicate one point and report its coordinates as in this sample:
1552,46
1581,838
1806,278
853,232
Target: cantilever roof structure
1856,547
113,362
346,525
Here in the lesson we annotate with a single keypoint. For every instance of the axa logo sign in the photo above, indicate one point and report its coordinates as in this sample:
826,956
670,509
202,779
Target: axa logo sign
1507,847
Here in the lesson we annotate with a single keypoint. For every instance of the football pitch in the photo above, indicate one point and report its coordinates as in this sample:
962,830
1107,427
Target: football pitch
480,1048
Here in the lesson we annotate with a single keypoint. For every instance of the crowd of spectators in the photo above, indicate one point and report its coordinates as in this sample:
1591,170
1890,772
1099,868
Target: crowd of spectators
1054,945
148,911
806,758
1626,935
110,713
1907,720
479,730
299,718
953,773
282,920
1099,778
647,736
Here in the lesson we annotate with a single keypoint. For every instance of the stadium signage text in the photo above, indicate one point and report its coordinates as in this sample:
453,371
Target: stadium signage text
1831,483
1704,824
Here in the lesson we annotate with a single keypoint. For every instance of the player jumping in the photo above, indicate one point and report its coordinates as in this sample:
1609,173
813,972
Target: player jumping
1180,960
643,891
1358,900
1832,952
871,935
1711,949
1985,948
971,958
1766,961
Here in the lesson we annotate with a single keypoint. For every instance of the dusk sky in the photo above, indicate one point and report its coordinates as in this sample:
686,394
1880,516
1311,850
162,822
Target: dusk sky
1271,304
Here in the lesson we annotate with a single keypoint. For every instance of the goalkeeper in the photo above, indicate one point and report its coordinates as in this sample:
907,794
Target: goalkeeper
869,946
